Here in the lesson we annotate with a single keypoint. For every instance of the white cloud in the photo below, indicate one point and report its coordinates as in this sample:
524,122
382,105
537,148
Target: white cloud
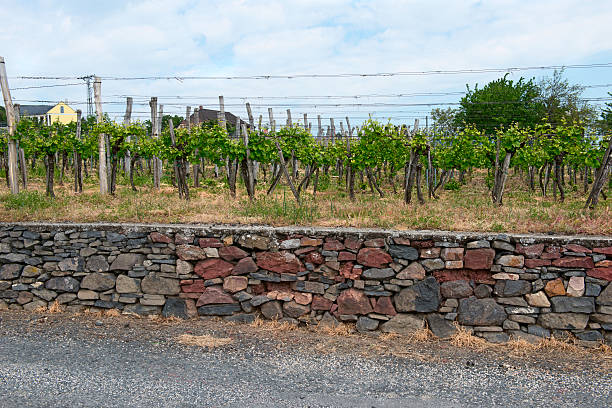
241,37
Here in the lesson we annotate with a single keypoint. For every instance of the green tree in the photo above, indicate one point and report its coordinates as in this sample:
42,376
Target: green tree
176,121
500,104
605,124
562,101
444,119
2,115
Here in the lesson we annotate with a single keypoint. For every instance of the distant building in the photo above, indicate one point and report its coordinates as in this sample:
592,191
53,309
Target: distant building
49,114
211,115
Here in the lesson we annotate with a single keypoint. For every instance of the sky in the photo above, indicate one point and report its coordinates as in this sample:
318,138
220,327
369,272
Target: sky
185,38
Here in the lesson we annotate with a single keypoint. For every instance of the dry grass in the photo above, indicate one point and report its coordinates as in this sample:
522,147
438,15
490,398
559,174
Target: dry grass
273,325
205,340
341,329
56,308
468,209
112,313
465,338
421,335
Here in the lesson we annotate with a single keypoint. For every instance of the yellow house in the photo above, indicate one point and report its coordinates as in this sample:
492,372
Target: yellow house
49,114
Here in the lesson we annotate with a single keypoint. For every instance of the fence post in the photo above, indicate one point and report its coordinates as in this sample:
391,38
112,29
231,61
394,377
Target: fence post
126,121
10,121
154,135
102,165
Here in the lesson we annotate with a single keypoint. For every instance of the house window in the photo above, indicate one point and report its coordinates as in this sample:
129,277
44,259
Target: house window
61,109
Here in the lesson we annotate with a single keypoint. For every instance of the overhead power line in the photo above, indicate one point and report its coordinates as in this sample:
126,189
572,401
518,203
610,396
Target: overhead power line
334,75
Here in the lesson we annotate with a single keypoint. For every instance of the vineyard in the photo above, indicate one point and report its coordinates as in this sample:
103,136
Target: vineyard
523,169
380,164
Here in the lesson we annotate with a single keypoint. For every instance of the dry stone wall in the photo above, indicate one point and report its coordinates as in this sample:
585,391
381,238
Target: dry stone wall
497,285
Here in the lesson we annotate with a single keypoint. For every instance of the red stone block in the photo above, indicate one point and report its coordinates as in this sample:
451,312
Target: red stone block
601,273
353,244
375,243
320,303
232,253
530,251
302,251
195,287
446,275
574,262
479,258
551,255
605,250
401,241
279,262
577,248
214,295
213,268
314,258
348,271
385,306
536,263
346,256
160,238
452,254
422,244
333,245
244,266
353,301
258,289
209,243
373,257
278,286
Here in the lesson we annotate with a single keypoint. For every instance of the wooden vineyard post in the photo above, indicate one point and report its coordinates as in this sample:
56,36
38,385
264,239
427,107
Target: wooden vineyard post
179,166
350,179
221,116
271,119
160,164
102,165
293,159
254,164
78,174
127,118
20,153
333,130
231,166
247,167
320,131
188,122
154,135
200,161
306,122
10,119
600,178
251,118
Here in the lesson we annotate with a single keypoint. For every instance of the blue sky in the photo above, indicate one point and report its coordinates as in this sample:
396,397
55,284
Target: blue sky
241,37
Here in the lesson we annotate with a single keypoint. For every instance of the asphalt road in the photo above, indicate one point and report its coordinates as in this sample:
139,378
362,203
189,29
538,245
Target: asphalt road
50,370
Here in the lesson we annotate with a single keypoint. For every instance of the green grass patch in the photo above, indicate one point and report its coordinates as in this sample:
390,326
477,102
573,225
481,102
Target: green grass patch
27,201
285,208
